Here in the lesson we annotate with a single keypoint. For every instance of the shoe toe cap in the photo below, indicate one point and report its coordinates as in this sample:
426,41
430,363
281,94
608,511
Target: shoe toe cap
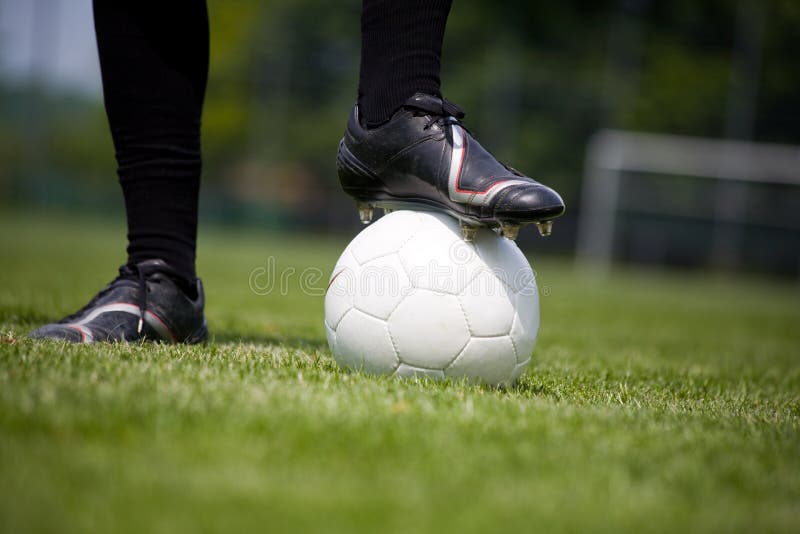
535,200
58,331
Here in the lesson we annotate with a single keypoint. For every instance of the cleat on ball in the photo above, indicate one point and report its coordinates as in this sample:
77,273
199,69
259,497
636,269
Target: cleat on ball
545,228
424,158
365,212
468,231
510,230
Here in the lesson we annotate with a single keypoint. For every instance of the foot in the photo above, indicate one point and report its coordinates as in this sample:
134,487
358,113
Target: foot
424,158
143,302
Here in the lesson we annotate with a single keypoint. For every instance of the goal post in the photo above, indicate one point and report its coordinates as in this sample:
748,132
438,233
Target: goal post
613,156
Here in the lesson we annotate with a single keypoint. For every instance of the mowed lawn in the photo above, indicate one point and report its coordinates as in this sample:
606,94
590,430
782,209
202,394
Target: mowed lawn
656,402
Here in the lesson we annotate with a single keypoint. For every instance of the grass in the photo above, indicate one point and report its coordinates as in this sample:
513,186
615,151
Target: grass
656,402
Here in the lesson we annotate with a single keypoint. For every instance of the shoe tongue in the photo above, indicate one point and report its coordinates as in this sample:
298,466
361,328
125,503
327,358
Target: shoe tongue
434,105
147,267
126,271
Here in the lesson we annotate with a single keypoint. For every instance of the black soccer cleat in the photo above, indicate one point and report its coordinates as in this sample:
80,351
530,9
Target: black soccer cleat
424,158
143,303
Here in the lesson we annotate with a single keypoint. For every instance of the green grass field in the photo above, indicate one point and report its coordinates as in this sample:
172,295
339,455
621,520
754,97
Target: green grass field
655,402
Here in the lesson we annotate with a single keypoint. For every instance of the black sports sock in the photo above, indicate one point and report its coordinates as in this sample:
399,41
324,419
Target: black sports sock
401,48
154,62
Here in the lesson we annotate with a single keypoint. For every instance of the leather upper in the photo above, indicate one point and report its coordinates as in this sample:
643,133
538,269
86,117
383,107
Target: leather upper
424,151
114,313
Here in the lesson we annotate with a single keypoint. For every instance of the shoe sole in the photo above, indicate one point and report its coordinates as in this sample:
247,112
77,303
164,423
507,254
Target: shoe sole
507,226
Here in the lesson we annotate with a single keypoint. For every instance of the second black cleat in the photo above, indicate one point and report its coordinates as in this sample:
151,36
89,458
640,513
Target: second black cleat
143,303
424,158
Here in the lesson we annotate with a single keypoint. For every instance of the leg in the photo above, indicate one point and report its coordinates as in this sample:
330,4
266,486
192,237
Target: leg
401,49
405,146
154,62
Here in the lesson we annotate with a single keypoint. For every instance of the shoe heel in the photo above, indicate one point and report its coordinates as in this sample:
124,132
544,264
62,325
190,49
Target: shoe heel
198,336
353,175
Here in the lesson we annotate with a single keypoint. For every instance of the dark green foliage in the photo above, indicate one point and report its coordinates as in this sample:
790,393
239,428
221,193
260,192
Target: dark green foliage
537,79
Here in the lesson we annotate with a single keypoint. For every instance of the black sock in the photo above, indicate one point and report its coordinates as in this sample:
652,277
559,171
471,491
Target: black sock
401,48
154,61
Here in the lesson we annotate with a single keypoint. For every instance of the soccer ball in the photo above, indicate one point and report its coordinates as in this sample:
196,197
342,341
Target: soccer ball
410,297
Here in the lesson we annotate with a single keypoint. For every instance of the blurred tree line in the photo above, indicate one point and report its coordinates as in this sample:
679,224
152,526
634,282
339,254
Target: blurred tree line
536,78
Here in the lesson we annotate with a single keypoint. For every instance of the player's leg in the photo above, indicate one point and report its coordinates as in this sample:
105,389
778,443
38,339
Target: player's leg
405,145
154,62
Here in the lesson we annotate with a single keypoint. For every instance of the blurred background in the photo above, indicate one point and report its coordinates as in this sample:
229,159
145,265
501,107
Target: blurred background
539,80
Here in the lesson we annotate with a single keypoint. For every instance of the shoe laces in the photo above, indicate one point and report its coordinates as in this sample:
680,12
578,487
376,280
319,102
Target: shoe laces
132,272
126,273
142,300
450,113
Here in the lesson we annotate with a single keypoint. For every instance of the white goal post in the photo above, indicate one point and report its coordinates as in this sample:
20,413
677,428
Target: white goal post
611,153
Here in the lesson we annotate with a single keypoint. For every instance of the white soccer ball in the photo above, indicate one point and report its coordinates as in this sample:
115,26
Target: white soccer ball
410,297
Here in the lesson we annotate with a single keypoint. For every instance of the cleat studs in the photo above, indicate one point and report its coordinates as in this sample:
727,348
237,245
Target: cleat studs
545,228
509,230
468,232
365,212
